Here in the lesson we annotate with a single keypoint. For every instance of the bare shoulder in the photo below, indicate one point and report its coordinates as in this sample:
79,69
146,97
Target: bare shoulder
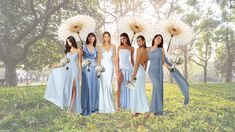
132,48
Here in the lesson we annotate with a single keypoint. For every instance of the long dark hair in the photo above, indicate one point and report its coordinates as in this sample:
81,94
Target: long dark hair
142,38
74,44
87,41
161,44
106,32
127,37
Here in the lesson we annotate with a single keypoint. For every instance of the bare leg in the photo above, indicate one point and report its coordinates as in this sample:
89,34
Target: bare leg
73,96
118,98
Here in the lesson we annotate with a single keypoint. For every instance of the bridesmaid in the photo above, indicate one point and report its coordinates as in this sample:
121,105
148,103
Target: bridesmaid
125,61
107,58
157,59
90,84
139,99
63,85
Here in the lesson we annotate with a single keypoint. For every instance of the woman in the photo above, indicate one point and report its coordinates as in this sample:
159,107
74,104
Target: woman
125,69
107,59
139,99
90,85
157,59
63,85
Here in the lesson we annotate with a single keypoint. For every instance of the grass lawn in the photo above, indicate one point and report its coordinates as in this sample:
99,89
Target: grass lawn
211,108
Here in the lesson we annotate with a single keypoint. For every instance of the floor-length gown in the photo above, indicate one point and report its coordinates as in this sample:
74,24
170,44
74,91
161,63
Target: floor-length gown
156,75
60,84
106,91
90,84
139,99
127,71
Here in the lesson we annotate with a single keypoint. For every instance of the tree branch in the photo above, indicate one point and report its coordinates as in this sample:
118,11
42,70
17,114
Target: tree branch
49,11
33,10
198,63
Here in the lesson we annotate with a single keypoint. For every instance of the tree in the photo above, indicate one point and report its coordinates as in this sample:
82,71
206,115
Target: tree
191,19
225,37
25,22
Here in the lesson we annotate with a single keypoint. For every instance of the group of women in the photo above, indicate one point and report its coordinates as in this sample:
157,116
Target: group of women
95,94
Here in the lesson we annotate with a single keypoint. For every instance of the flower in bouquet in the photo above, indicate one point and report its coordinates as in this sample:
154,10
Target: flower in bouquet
176,59
130,84
86,62
99,69
64,62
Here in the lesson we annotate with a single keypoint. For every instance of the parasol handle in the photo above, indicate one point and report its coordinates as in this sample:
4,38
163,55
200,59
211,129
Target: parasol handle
169,43
80,38
132,39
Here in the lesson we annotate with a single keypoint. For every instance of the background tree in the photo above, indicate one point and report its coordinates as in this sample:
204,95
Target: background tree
226,42
24,23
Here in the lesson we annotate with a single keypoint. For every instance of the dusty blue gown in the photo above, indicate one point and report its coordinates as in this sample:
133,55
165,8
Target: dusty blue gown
90,84
156,76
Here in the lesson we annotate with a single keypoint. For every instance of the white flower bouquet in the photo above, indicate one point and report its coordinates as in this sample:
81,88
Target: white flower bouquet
99,69
64,61
175,59
130,84
86,62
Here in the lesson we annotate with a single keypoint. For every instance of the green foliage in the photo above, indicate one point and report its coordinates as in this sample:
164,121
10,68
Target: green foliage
42,54
211,108
192,2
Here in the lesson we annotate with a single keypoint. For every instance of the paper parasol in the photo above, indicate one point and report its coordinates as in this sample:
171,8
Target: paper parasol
175,32
78,26
135,26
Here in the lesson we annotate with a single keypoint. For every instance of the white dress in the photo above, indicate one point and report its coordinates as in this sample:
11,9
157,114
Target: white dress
106,91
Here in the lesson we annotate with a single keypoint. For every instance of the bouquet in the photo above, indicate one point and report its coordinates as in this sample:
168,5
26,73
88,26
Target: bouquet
130,84
86,62
99,69
64,62
176,59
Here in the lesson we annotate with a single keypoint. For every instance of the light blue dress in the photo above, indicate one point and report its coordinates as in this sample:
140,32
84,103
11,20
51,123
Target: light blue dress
90,84
59,86
106,90
139,99
156,76
127,71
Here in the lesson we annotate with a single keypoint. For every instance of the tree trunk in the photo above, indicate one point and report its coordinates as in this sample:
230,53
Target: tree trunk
185,65
11,79
229,65
205,72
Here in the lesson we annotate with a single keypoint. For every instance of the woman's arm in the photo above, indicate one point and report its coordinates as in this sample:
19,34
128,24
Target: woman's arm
115,59
117,56
146,62
136,64
132,56
80,59
99,55
163,59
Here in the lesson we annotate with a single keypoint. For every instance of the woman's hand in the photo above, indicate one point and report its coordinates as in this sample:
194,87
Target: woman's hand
133,77
54,66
